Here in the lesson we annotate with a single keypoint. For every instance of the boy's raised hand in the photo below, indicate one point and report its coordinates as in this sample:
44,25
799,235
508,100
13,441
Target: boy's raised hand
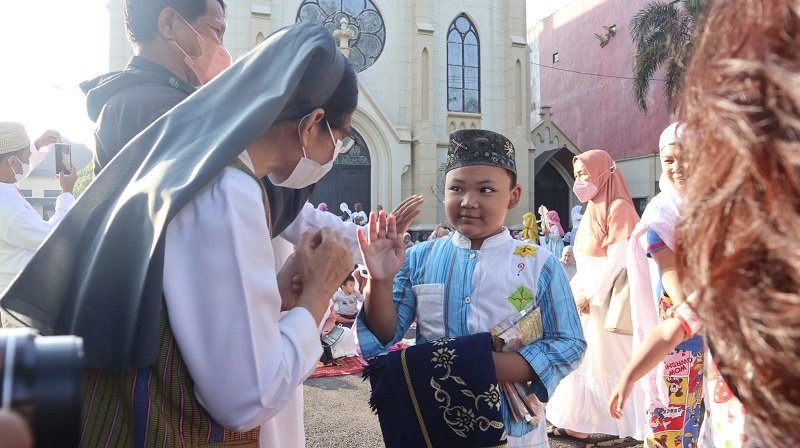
383,250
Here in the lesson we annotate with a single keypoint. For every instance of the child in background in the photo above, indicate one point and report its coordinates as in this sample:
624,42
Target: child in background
726,422
348,300
554,233
472,280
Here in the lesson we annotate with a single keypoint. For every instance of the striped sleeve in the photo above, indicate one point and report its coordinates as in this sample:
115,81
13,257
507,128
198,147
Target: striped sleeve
405,304
560,350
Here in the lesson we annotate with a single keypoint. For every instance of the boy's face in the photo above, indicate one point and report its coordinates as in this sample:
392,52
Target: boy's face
477,198
349,287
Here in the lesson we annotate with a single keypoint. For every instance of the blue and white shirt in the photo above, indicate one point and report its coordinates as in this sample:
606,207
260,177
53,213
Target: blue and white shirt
452,290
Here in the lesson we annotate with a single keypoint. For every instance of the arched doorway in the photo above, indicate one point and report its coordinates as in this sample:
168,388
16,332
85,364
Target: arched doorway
349,179
553,192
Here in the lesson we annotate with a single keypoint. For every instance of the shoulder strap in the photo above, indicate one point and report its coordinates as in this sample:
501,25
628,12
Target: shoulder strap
245,169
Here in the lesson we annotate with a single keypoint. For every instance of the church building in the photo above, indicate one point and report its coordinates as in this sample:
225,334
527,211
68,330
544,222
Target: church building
425,68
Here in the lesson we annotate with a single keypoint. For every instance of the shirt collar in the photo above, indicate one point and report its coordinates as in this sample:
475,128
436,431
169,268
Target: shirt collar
463,242
248,162
174,80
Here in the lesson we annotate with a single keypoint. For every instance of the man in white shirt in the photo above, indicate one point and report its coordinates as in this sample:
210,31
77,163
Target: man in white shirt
22,229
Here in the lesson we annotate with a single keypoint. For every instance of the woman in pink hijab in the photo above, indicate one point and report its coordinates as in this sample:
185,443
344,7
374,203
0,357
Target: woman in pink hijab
579,405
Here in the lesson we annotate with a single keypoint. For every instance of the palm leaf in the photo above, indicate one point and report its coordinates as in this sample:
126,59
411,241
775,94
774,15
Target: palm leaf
663,35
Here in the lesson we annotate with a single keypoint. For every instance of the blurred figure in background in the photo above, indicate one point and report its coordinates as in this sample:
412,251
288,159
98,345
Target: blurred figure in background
575,216
739,233
568,261
553,232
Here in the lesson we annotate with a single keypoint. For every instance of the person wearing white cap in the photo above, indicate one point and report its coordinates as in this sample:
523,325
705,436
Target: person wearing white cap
22,229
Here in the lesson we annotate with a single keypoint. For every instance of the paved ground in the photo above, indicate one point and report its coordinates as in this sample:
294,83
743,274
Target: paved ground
337,415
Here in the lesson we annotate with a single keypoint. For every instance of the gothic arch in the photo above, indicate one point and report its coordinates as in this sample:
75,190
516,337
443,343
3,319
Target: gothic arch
463,65
374,136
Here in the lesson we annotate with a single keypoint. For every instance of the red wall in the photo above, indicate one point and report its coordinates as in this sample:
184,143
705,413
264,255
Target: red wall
598,112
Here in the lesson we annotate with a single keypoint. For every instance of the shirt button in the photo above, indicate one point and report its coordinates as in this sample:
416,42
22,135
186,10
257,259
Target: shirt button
467,299
472,255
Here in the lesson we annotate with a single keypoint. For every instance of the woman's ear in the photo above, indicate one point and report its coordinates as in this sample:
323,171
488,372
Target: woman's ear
310,125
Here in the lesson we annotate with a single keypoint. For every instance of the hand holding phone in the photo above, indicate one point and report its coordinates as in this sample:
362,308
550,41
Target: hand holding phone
63,154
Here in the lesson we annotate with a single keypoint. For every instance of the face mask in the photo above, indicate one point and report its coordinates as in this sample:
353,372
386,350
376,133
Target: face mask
213,59
307,171
26,171
584,190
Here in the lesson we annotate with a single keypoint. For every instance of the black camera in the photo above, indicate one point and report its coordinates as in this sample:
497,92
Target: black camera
42,379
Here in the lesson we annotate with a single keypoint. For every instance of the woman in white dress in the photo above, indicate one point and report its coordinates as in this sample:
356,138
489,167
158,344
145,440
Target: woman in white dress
578,406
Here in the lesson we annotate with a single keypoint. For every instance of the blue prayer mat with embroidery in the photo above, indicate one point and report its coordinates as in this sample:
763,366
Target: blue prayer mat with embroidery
441,394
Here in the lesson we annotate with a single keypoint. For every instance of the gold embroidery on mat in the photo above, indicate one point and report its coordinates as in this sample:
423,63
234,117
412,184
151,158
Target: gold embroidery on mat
460,419
411,393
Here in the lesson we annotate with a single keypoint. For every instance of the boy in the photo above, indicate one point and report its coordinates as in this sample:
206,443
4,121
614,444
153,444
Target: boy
470,281
347,300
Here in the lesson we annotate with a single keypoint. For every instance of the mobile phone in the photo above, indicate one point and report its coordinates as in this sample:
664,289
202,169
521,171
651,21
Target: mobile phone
63,157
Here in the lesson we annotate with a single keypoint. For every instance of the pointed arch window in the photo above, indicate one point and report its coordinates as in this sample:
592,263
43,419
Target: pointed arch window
463,66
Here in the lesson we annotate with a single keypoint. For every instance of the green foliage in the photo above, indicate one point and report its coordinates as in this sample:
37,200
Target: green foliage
664,34
85,176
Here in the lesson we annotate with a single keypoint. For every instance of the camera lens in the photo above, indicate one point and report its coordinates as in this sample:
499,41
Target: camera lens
42,379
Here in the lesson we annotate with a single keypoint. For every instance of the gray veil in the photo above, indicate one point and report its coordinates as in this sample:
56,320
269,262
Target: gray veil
99,274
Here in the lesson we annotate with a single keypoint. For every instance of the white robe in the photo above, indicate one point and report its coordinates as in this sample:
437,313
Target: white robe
580,402
221,293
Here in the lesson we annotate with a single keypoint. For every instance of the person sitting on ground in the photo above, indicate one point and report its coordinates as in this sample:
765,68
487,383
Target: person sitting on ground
348,301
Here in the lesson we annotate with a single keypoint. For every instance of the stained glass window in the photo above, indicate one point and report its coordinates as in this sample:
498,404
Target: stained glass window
463,67
366,23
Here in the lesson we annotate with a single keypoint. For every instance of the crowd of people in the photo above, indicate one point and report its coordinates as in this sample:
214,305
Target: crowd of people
200,277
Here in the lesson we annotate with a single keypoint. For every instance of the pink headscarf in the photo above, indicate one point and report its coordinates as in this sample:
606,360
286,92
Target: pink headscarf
554,220
599,228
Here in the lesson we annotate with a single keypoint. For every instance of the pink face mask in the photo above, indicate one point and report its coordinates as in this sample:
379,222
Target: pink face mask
584,190
213,59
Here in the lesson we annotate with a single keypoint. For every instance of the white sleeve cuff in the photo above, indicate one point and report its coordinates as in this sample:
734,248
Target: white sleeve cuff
64,201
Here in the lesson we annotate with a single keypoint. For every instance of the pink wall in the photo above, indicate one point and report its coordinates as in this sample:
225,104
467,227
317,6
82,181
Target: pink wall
598,112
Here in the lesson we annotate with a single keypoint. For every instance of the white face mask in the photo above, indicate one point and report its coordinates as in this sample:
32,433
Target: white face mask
26,171
307,171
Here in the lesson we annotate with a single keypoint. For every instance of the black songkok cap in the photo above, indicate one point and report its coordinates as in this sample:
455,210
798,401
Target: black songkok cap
479,147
